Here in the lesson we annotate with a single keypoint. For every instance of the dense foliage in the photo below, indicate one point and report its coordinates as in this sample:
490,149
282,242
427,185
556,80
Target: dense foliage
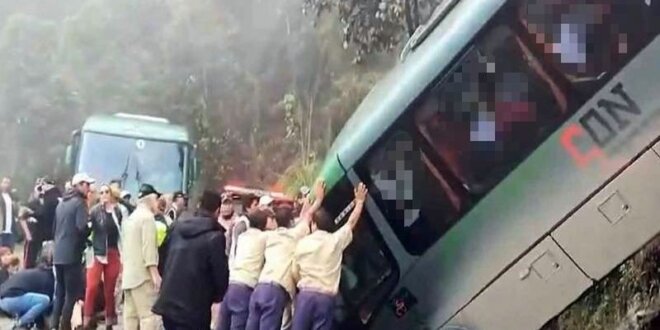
374,25
261,87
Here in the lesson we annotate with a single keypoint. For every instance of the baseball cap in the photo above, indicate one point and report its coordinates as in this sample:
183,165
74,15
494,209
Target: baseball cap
147,189
125,194
265,200
80,178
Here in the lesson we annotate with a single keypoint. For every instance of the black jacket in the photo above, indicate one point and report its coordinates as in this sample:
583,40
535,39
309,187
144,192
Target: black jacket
35,280
44,213
101,221
130,207
70,229
195,271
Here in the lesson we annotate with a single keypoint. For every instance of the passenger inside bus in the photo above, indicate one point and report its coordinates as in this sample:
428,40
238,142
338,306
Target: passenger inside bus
491,112
413,196
588,39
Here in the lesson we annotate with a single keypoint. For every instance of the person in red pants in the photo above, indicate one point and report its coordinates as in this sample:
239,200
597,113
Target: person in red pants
106,218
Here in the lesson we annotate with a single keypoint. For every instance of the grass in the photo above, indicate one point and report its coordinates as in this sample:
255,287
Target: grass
627,298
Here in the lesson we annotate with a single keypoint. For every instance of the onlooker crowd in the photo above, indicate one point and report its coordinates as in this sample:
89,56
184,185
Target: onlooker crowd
268,266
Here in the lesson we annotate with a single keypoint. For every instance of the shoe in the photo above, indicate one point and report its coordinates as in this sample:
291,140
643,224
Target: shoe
21,327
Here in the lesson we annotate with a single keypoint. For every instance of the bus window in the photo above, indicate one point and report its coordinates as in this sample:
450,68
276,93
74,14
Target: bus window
412,195
368,270
491,111
589,40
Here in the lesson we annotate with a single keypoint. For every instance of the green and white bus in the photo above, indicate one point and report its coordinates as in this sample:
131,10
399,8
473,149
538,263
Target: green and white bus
512,160
135,149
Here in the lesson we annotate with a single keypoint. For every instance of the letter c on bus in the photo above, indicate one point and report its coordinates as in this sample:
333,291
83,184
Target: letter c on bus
581,159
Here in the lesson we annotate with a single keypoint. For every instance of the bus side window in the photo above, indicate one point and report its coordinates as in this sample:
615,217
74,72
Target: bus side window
491,111
412,194
589,40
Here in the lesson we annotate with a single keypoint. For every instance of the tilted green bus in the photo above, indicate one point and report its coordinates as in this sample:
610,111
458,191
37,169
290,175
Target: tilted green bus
135,149
512,161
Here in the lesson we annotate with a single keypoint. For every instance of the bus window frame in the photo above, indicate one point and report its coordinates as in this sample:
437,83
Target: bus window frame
362,170
506,16
388,284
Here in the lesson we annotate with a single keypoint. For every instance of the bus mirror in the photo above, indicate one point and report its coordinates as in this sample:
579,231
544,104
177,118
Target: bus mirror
196,168
68,157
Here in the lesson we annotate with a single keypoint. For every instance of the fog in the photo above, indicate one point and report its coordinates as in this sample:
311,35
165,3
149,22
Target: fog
262,88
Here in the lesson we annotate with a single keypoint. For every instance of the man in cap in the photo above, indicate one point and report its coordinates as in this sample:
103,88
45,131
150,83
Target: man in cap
266,201
233,225
140,277
70,235
195,243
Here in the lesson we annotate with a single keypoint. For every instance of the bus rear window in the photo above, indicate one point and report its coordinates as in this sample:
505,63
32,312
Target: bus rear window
491,112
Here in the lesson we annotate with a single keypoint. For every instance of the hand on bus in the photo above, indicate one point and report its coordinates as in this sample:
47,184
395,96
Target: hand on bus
319,189
361,193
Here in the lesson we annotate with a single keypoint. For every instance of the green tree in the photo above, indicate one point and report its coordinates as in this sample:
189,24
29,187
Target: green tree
374,25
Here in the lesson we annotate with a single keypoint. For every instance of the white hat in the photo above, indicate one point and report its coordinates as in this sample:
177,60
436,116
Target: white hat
265,200
80,178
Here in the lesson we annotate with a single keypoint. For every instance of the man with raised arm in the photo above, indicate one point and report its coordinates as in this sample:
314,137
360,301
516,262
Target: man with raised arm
276,287
317,266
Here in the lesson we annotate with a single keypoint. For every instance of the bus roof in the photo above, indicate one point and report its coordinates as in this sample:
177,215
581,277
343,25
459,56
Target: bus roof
136,126
393,94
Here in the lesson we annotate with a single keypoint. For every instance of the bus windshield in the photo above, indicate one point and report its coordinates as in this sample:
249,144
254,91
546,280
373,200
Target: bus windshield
134,161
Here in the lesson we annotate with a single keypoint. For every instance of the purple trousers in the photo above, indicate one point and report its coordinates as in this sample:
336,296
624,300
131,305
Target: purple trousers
267,307
235,307
313,311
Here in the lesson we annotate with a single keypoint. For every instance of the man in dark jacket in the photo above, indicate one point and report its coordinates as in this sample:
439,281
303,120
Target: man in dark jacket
38,226
70,236
195,270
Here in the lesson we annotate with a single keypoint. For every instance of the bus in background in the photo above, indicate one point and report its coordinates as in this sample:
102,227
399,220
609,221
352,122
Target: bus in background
135,149
512,161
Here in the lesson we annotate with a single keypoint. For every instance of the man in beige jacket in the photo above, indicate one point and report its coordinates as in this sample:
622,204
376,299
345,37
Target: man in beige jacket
140,278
